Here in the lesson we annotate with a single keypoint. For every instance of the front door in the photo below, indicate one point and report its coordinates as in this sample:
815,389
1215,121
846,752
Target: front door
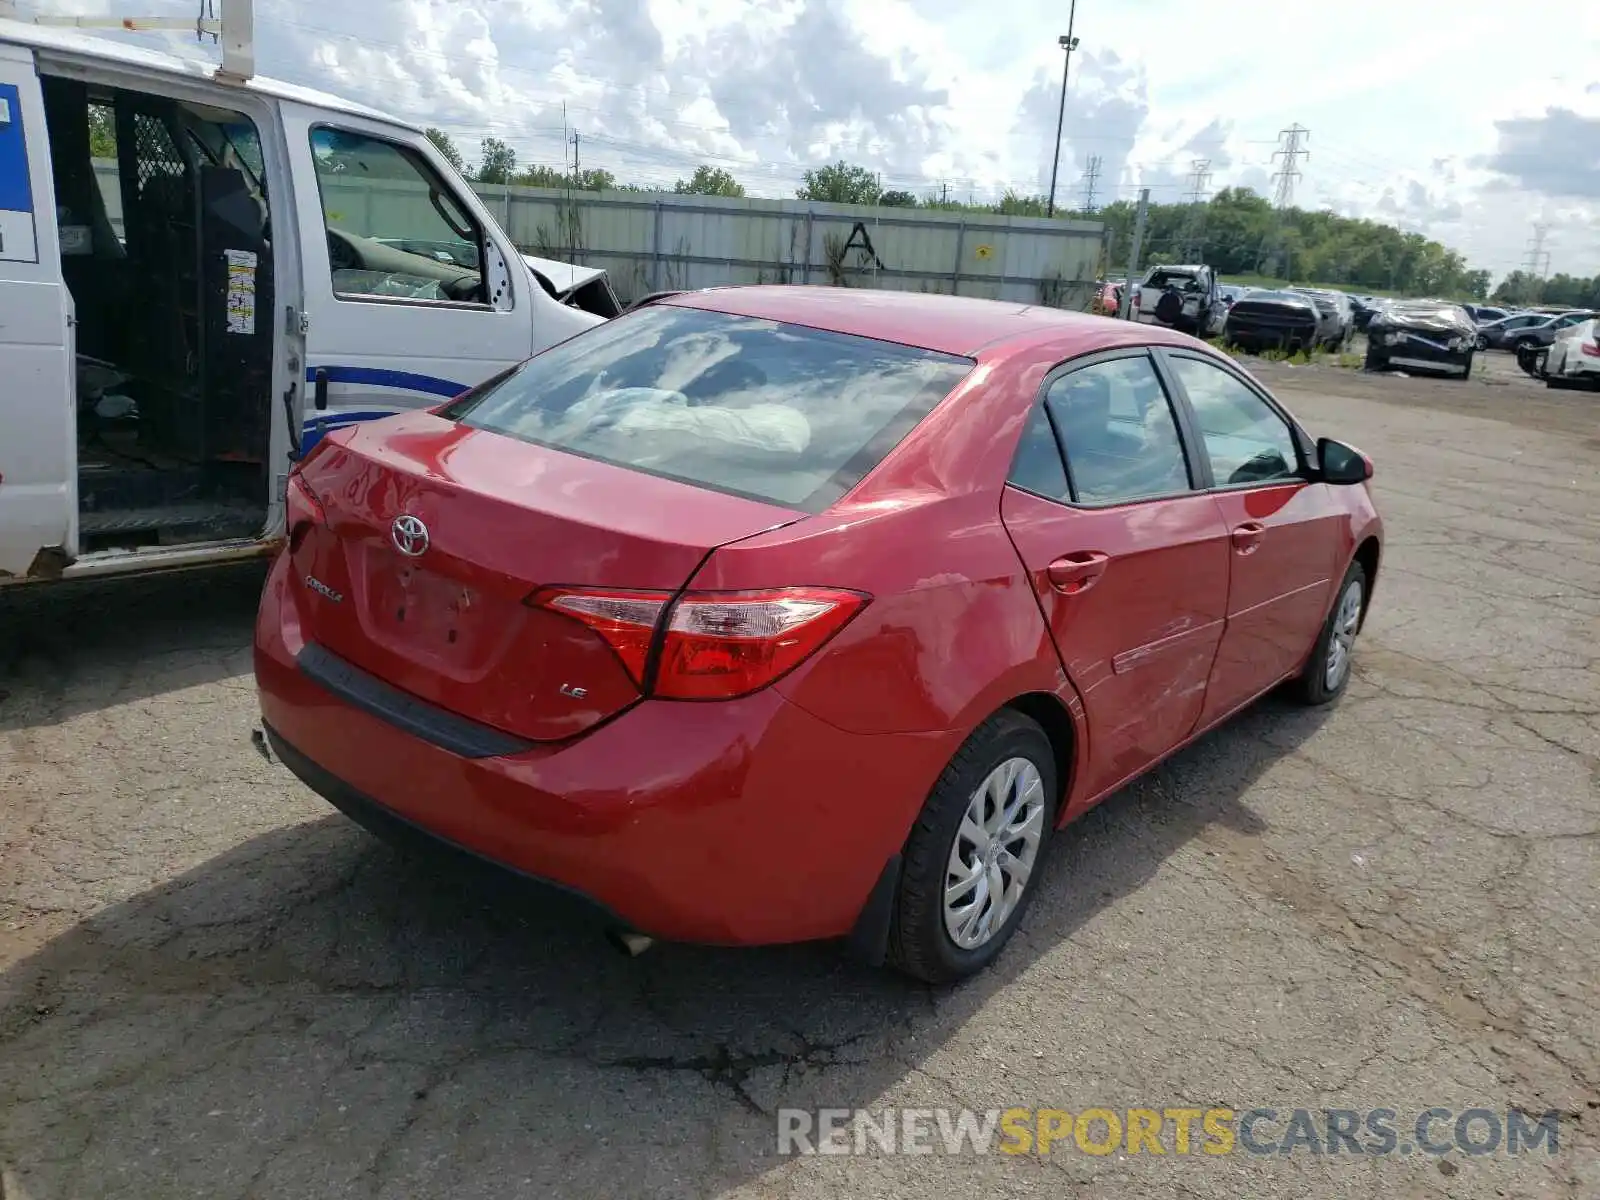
409,293
1129,561
38,448
1284,531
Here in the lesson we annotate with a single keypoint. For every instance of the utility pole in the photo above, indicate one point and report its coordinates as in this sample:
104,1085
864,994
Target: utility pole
577,140
1292,151
1133,255
1199,177
1069,44
1091,177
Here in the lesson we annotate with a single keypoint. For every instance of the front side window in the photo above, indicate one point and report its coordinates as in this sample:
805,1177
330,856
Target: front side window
1117,428
781,413
1245,439
394,228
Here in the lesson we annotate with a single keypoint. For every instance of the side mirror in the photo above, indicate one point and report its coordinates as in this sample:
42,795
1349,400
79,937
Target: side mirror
1339,463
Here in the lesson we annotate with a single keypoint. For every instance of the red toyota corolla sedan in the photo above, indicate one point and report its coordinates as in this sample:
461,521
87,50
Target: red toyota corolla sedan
778,613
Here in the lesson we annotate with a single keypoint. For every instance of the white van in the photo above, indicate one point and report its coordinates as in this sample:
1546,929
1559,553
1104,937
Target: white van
200,275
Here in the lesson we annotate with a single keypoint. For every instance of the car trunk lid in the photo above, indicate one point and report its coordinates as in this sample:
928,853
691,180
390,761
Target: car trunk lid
437,534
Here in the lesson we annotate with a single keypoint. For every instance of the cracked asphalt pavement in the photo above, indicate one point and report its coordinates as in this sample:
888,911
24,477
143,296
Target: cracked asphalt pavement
211,985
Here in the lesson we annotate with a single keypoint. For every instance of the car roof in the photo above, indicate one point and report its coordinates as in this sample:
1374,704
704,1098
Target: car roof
51,40
963,325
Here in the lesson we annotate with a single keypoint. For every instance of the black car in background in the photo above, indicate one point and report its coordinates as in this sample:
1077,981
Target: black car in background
1266,320
1503,334
1428,335
1483,314
1544,333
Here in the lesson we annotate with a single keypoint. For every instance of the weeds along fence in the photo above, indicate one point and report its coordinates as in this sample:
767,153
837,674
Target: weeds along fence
651,241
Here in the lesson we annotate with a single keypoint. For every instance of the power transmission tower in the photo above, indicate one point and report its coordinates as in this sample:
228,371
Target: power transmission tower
1091,178
1199,177
1538,257
1275,248
1292,151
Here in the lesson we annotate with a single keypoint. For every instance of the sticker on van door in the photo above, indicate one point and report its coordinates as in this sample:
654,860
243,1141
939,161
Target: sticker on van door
18,242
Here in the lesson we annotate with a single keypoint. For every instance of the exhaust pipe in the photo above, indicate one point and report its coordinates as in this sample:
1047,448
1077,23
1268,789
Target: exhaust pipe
628,942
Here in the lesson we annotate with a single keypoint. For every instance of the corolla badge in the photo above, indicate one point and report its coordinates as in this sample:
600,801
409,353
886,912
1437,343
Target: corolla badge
316,585
409,535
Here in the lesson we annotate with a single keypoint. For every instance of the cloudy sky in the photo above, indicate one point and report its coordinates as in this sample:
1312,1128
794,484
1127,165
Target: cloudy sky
1454,118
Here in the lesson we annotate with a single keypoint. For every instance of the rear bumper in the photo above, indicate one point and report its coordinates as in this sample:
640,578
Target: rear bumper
738,823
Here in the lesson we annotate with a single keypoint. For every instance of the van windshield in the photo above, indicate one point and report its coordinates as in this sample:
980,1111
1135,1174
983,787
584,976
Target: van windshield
780,413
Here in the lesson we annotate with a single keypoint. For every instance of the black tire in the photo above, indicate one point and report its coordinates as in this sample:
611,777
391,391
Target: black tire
1467,374
1480,342
1375,362
919,943
1312,688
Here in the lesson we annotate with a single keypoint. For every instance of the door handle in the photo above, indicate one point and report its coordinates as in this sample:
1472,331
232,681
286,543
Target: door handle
319,389
1248,536
1077,572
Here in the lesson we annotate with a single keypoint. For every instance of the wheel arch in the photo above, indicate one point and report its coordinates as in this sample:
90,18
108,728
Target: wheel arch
1369,553
1051,715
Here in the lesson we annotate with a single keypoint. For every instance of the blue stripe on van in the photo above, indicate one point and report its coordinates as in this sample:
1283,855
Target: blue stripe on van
405,381
319,426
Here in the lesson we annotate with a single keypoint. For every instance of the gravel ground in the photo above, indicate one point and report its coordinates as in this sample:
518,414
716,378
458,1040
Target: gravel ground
212,986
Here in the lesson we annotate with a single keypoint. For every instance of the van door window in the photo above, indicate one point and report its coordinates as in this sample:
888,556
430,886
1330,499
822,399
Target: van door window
395,230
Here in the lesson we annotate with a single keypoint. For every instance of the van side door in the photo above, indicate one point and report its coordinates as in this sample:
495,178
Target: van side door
412,293
38,446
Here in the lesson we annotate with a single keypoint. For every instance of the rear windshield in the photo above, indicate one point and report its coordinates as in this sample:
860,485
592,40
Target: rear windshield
776,412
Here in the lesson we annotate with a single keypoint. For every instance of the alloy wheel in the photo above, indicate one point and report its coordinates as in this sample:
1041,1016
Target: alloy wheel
994,853
1346,620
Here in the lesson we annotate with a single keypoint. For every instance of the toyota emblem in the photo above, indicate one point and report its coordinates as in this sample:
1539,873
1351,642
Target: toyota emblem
409,535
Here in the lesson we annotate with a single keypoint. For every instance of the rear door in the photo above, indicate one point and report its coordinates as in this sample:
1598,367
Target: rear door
1128,558
1285,531
38,449
412,294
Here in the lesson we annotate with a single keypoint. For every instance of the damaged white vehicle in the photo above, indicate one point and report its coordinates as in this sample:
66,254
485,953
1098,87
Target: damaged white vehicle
1572,360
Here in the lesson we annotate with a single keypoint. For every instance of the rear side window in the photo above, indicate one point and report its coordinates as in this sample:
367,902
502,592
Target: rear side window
776,412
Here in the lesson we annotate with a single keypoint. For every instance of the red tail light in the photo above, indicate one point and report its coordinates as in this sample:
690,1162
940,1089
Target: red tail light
626,620
1592,349
711,645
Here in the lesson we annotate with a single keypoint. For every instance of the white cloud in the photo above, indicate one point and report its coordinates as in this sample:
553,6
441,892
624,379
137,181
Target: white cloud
1441,117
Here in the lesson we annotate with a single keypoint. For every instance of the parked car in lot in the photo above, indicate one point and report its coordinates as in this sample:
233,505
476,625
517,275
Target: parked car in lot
1484,314
1183,298
1267,320
1572,358
1428,335
1544,333
779,613
1336,320
1503,334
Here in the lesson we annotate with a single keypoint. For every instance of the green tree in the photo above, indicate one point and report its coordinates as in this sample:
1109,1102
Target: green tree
497,162
102,132
840,183
445,146
897,199
1015,204
709,181
540,176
